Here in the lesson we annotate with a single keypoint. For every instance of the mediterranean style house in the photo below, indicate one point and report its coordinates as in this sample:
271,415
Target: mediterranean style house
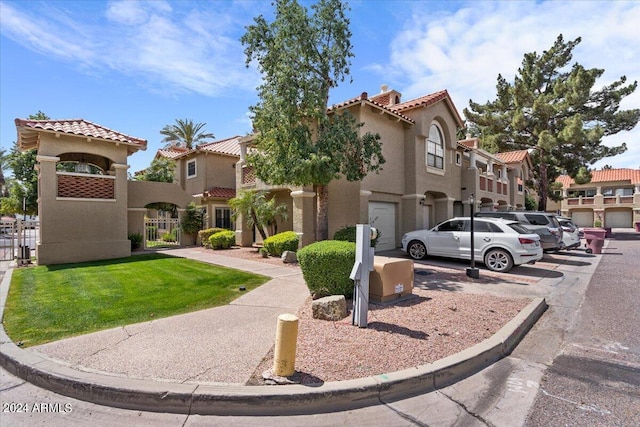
428,177
612,198
207,173
86,205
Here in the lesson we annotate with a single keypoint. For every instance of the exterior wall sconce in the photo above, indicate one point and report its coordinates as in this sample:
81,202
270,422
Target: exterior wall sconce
422,201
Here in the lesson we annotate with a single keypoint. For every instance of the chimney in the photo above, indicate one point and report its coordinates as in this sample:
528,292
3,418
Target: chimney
384,88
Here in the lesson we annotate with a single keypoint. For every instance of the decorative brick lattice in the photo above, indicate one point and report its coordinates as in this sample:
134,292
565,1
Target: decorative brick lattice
86,187
483,183
248,175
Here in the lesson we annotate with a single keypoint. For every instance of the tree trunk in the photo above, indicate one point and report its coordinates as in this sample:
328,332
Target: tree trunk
322,219
543,185
258,225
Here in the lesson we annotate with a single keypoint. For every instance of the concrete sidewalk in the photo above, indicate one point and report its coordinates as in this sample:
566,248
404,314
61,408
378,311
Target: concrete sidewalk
197,362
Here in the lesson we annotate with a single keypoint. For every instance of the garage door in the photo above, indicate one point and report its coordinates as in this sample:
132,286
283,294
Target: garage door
583,219
383,217
618,219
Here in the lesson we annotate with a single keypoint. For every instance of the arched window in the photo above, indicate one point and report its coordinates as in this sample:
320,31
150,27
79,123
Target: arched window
435,148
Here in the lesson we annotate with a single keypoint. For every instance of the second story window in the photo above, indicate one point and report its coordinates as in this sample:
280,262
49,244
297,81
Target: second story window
191,168
435,148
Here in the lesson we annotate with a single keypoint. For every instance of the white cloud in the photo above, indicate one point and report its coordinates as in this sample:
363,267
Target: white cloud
167,50
463,51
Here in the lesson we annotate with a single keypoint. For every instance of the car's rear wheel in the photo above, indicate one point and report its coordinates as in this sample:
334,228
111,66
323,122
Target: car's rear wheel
416,249
498,260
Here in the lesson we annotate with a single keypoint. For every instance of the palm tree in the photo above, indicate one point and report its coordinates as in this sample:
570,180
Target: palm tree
185,133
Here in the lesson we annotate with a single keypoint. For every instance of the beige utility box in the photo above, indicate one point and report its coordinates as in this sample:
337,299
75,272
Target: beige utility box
391,279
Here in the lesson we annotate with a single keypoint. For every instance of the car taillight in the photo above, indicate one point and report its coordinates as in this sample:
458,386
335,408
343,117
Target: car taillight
526,241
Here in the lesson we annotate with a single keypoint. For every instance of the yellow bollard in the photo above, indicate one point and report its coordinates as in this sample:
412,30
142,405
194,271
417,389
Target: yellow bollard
284,358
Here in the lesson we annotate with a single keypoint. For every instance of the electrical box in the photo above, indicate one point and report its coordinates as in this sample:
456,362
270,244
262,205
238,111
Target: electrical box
391,279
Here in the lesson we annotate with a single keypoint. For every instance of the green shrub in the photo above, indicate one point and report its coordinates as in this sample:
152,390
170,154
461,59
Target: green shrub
278,243
170,237
326,267
204,235
136,240
348,234
222,240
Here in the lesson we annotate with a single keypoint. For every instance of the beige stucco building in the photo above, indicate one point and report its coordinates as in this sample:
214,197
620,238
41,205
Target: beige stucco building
427,178
207,173
86,205
612,197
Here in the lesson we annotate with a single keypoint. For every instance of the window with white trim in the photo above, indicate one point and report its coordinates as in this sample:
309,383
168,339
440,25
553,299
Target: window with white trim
435,148
191,168
458,159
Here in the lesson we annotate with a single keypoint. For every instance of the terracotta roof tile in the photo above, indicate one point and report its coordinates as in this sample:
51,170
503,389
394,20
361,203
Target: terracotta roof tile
229,146
364,98
426,101
606,175
81,127
172,152
513,156
220,193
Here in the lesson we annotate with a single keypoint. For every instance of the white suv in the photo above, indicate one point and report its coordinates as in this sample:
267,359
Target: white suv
499,243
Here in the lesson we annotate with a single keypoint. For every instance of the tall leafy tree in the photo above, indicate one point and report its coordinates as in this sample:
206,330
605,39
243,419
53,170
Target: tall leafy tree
301,56
258,210
553,110
160,170
23,187
185,133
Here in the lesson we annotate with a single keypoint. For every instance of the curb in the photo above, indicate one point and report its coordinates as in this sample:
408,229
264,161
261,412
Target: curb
225,399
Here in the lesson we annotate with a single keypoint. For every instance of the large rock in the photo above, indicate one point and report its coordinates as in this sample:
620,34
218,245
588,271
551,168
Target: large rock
330,308
289,257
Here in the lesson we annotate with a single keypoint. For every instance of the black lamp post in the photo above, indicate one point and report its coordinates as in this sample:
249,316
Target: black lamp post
472,271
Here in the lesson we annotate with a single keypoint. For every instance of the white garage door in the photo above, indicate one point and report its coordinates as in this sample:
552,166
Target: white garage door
383,217
583,219
618,219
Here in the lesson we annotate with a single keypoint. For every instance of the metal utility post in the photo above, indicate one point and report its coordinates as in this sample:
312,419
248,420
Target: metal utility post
360,273
472,272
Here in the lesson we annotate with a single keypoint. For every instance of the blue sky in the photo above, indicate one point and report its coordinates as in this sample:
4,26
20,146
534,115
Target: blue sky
136,66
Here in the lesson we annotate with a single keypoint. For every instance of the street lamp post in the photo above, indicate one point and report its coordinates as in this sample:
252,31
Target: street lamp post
472,271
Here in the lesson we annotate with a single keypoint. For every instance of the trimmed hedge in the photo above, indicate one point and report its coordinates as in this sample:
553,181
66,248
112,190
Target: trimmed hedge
348,234
222,240
205,234
326,267
278,243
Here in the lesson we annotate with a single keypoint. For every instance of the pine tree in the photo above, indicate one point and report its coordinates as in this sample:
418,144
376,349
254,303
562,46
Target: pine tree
552,110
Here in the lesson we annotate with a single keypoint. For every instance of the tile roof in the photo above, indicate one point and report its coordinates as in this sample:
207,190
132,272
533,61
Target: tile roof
513,156
364,98
80,127
426,101
219,193
606,175
228,147
171,152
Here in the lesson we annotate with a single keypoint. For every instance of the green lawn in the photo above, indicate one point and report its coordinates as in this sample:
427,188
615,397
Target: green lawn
47,303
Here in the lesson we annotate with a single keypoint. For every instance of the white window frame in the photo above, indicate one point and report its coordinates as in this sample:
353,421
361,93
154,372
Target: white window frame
458,158
428,142
195,169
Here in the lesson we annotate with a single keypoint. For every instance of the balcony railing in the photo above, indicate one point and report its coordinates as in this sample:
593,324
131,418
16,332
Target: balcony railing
606,200
84,186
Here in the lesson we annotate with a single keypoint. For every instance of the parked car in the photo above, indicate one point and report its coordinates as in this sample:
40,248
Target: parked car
570,233
550,239
499,244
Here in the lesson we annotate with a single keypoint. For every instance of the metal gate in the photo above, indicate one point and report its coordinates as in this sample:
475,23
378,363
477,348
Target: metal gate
161,233
18,239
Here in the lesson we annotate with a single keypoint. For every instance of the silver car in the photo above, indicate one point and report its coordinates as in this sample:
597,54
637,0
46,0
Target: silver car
498,243
570,233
